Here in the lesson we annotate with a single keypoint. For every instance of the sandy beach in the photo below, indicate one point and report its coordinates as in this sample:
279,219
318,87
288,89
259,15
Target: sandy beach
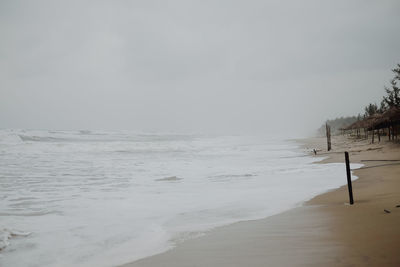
162,133
325,231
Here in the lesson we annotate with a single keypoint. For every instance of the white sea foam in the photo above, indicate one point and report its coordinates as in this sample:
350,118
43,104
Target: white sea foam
103,199
7,234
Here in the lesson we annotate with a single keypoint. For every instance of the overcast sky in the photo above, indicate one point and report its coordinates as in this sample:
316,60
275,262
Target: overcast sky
193,66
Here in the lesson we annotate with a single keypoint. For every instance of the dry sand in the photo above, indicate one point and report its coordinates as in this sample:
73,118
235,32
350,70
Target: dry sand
326,231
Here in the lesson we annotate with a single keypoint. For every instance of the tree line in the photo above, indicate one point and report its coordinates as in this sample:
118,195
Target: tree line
390,100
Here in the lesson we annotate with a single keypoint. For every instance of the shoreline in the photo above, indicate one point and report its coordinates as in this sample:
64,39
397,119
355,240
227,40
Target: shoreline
323,231
370,235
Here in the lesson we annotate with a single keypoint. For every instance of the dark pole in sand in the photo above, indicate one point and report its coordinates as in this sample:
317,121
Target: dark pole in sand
379,135
328,136
346,156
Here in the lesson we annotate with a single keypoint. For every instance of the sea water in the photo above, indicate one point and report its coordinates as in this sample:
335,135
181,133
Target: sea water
82,198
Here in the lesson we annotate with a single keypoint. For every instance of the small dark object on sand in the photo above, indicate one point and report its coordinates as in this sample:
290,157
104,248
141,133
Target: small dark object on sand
315,151
387,211
398,206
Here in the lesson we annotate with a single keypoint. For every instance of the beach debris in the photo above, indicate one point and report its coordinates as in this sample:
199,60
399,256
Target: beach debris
397,206
315,151
387,211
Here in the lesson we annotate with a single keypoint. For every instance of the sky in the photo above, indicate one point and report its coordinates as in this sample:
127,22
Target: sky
193,66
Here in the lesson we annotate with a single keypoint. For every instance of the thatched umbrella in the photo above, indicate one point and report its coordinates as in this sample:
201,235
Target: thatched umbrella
388,119
355,126
372,121
393,114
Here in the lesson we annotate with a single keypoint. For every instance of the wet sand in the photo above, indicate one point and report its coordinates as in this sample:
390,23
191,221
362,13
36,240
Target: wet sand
370,236
325,231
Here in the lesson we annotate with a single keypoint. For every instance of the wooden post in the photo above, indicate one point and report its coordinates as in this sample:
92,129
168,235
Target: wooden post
373,135
389,133
328,136
330,144
346,156
392,132
379,135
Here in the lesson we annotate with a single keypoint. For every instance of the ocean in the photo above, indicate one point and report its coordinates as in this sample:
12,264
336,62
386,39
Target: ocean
92,198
